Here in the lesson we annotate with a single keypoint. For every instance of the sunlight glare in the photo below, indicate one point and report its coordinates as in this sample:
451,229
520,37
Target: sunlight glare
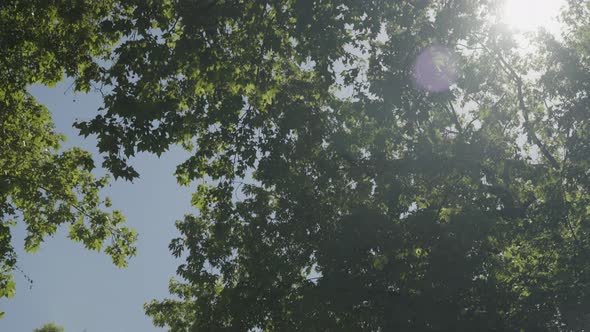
529,15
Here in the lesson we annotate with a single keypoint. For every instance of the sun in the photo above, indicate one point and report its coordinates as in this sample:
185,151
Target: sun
529,15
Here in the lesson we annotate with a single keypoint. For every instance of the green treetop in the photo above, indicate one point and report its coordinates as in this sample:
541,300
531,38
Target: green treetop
50,327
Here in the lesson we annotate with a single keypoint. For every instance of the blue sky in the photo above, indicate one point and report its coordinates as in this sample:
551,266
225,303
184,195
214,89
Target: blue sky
83,290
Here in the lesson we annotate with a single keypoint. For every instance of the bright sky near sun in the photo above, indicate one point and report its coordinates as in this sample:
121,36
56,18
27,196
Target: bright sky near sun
529,15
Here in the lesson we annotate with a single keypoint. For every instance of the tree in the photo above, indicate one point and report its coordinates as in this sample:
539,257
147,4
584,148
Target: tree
50,327
40,184
397,208
360,165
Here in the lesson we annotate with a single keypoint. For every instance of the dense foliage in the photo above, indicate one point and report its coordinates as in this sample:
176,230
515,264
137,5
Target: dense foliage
337,188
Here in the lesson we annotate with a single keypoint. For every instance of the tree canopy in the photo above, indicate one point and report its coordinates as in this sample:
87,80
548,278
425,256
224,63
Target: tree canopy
50,327
363,165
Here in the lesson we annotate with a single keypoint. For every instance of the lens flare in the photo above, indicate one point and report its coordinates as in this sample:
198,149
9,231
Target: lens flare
435,69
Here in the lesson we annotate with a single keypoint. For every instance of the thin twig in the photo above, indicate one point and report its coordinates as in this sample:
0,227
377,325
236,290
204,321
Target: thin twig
455,117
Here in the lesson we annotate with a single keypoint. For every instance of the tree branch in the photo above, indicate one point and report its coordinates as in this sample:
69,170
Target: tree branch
525,111
455,117
531,132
